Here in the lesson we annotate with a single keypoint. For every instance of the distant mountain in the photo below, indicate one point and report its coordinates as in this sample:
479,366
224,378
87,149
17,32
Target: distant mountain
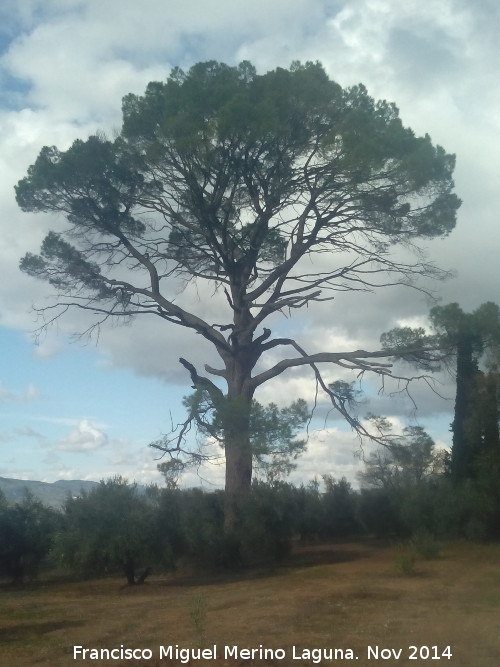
51,494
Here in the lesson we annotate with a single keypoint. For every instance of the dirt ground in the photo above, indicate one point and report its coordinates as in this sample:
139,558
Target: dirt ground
352,598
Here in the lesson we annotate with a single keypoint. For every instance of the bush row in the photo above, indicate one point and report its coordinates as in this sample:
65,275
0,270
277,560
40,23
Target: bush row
118,527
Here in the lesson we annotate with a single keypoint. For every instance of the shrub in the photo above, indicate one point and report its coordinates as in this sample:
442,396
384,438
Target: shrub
265,534
340,514
379,513
202,521
406,559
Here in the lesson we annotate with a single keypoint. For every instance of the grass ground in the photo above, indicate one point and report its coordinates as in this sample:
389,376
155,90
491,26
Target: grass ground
347,596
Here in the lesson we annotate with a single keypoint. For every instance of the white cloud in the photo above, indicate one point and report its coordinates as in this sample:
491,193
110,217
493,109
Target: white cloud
332,452
31,393
86,437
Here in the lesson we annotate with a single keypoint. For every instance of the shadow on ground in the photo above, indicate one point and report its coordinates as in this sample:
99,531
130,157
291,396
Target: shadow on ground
29,630
302,556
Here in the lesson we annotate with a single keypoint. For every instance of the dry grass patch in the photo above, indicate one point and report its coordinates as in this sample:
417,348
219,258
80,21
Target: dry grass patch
343,596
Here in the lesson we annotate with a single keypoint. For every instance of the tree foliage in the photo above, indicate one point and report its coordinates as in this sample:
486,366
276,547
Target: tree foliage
27,530
406,460
112,528
469,343
475,338
272,434
340,509
278,190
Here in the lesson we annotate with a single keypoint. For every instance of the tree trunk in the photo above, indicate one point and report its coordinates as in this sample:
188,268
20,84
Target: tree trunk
233,415
490,416
143,575
129,569
462,452
238,478
238,451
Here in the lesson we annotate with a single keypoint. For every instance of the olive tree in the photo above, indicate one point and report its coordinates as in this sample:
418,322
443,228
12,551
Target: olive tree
278,189
113,527
27,531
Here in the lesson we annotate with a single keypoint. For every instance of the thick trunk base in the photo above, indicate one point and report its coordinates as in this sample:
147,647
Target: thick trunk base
238,484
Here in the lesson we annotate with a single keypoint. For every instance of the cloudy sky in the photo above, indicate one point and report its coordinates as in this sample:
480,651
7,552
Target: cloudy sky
73,411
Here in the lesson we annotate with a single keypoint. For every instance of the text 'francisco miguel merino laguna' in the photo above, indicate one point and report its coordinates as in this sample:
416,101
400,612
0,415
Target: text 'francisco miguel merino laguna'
184,655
